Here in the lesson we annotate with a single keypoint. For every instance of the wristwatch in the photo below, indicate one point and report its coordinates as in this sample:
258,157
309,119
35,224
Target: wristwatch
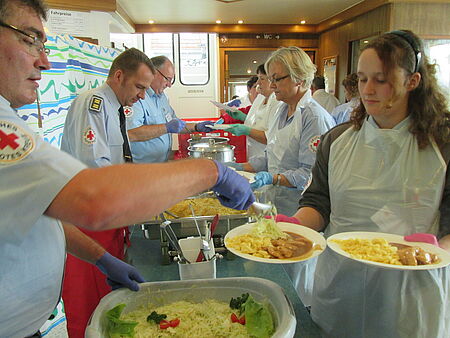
277,180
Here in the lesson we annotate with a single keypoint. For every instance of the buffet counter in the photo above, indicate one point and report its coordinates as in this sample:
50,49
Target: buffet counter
145,254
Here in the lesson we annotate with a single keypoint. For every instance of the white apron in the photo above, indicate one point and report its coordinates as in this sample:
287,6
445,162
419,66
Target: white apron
380,181
259,117
282,155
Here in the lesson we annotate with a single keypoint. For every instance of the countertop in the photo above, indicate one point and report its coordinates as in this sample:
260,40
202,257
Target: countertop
145,256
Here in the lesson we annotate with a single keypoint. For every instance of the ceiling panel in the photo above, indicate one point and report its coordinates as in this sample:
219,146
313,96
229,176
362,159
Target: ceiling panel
250,11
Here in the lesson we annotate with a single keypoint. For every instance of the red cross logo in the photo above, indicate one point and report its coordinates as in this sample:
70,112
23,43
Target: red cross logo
314,143
8,140
90,135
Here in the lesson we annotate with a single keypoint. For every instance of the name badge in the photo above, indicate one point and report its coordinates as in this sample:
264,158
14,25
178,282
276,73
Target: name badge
168,117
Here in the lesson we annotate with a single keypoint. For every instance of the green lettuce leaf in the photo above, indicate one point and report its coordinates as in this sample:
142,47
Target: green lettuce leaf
258,319
116,327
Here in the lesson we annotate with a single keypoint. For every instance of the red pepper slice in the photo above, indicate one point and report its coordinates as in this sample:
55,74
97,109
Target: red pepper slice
234,318
174,322
164,324
242,320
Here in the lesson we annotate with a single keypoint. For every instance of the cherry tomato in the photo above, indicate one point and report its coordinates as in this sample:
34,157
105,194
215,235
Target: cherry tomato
174,322
242,320
234,318
164,324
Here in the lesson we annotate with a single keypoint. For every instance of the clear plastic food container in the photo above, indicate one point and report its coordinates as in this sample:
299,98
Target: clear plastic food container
222,289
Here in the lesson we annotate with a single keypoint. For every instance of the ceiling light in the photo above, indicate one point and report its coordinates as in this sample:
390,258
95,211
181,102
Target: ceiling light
218,21
366,41
254,61
240,21
151,21
249,71
303,22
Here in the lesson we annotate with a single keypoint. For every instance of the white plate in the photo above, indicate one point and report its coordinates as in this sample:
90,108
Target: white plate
224,106
249,176
443,255
308,233
219,126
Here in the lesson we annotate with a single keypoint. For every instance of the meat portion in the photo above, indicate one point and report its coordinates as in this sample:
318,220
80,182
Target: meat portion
414,255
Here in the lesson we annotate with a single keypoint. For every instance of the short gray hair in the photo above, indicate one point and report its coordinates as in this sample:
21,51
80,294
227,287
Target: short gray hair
159,61
297,63
36,5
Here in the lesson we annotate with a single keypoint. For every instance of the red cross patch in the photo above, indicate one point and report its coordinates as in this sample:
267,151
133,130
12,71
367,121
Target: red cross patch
89,136
314,143
127,111
15,143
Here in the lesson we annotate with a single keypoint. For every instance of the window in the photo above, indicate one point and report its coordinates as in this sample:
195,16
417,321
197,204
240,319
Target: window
438,52
122,40
194,58
159,44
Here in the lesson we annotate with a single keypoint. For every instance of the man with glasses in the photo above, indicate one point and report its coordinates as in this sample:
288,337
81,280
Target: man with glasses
41,186
153,120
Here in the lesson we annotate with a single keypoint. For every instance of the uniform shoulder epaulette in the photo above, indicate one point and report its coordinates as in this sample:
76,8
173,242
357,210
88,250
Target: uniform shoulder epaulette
96,103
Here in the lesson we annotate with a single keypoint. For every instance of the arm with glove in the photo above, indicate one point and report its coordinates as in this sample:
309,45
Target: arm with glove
151,131
118,273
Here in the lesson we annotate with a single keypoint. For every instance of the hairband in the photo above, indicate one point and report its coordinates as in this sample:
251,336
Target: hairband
405,36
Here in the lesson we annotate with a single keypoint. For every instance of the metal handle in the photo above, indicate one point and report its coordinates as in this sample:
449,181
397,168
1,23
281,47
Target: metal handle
173,240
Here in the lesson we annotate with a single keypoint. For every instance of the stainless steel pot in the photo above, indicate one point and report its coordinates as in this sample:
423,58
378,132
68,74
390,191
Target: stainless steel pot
206,139
220,152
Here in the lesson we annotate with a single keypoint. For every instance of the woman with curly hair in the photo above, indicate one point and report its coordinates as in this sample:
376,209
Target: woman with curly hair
342,112
384,171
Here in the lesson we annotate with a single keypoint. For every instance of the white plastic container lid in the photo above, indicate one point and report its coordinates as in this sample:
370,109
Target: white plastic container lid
221,289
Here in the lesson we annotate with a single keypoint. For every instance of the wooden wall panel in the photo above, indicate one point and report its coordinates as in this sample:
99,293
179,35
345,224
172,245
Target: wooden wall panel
336,41
422,18
83,5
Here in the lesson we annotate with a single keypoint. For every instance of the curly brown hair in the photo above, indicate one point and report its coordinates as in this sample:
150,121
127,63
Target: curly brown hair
427,105
350,83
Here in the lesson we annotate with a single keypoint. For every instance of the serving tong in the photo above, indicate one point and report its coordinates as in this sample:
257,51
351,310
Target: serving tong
204,244
173,239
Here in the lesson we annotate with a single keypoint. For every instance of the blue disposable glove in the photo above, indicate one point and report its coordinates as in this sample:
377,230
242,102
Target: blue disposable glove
219,121
119,274
234,103
237,166
237,115
261,179
175,126
233,189
239,129
202,126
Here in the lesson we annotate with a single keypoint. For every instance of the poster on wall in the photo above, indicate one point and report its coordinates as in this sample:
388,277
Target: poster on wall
329,72
68,22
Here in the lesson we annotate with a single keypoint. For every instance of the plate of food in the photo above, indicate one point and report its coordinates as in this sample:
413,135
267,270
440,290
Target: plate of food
388,251
248,175
277,243
219,126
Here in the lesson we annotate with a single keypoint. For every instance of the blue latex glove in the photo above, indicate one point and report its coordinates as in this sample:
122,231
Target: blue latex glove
233,189
175,126
237,115
119,274
239,129
201,126
219,121
237,166
261,179
234,103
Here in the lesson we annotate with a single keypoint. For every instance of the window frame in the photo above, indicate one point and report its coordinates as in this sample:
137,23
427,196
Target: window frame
208,62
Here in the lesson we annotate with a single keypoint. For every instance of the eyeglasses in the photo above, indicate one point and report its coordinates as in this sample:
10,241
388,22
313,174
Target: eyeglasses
35,46
168,79
278,79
